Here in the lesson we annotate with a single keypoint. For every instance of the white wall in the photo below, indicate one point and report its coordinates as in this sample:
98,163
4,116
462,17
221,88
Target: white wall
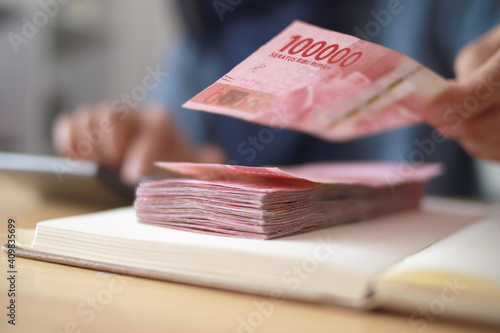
489,172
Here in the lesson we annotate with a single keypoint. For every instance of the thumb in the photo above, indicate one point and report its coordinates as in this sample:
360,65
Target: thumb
479,90
468,97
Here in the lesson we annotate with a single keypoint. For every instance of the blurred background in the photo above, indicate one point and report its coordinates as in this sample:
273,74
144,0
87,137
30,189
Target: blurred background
59,54
69,53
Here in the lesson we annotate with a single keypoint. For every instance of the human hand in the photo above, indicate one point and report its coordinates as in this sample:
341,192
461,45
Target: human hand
470,110
127,141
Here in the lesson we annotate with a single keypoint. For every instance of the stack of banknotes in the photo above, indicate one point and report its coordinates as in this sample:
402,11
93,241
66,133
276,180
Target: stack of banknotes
331,85
265,203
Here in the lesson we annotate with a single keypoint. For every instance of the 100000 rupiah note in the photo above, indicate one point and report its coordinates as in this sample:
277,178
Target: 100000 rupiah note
271,202
322,82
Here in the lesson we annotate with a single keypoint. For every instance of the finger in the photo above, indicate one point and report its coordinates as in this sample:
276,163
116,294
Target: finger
480,135
480,90
112,135
102,134
173,146
477,52
125,125
138,158
468,98
156,140
440,113
151,142
85,140
61,133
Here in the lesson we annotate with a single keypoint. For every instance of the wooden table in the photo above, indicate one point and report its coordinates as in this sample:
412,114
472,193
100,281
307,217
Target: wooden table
57,298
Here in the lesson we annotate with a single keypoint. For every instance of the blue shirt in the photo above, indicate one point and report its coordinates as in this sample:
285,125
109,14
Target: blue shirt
430,31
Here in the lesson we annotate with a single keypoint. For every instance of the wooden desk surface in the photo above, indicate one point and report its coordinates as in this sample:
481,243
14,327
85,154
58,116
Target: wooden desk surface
57,298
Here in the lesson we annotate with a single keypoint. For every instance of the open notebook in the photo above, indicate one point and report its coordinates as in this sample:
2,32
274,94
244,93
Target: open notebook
442,259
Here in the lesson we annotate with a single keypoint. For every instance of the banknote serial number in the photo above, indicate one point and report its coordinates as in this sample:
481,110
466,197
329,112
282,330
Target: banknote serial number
321,51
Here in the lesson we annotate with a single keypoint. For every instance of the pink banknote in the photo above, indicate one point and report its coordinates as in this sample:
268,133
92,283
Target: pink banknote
325,83
374,174
258,202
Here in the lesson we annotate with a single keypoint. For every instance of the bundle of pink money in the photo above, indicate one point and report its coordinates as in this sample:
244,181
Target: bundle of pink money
266,203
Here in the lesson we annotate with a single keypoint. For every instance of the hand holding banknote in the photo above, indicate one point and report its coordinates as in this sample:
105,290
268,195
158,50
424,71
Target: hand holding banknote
338,87
470,110
325,83
136,141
